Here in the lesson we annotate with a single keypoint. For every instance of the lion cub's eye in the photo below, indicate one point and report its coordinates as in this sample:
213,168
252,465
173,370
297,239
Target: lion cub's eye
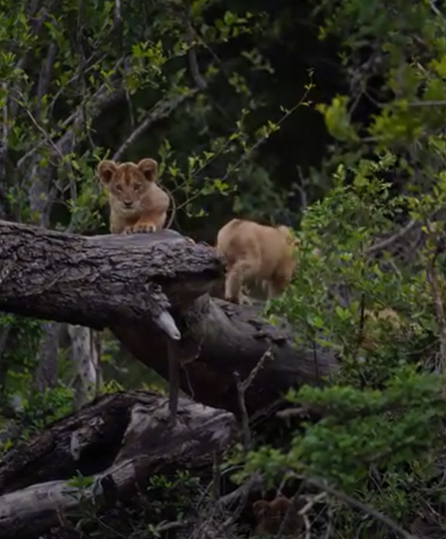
118,188
137,187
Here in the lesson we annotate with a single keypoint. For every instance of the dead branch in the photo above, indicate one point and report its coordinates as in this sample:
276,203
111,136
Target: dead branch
161,110
145,287
132,433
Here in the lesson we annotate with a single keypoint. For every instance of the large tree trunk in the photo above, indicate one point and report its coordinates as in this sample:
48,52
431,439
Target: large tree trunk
149,289
118,441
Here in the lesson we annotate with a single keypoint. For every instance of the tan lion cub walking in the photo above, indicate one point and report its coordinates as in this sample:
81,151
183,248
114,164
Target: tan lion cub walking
137,203
256,252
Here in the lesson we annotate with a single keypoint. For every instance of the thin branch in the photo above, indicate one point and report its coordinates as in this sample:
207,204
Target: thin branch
22,64
105,96
216,476
161,110
432,278
45,75
174,380
175,525
117,14
242,387
45,134
254,482
356,504
293,508
440,103
240,495
390,241
199,81
5,118
244,412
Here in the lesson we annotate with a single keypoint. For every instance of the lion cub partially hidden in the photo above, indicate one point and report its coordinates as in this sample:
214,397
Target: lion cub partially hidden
137,203
269,516
263,254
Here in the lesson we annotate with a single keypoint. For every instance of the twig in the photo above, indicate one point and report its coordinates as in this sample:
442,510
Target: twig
45,75
199,81
293,412
117,13
360,338
266,357
313,500
244,412
389,241
292,509
161,110
22,64
241,496
45,134
329,522
435,8
255,481
241,390
356,504
432,277
174,525
246,155
216,476
96,103
307,526
174,380
5,118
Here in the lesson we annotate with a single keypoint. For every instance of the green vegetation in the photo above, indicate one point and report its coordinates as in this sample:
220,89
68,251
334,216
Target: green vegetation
328,116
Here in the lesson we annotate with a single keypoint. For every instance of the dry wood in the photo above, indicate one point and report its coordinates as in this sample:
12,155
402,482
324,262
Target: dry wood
119,441
144,287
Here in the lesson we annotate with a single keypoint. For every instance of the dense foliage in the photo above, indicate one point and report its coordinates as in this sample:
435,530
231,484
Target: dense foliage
328,116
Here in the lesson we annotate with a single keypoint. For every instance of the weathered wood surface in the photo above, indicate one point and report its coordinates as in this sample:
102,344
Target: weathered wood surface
118,441
127,282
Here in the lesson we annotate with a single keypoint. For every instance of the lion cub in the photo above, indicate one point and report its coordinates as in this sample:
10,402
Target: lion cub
256,252
137,204
270,515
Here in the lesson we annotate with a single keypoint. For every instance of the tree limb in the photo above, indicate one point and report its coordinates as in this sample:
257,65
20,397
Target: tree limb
161,110
127,282
132,434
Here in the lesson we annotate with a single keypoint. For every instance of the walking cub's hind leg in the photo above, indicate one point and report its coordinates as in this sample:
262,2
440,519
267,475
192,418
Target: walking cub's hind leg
239,272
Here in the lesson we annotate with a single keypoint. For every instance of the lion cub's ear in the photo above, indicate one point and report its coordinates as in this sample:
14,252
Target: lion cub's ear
105,171
149,168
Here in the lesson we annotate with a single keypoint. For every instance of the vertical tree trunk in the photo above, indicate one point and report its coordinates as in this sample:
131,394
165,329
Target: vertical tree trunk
85,353
48,357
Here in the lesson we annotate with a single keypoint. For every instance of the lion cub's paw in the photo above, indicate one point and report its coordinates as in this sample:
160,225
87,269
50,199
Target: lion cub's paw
140,229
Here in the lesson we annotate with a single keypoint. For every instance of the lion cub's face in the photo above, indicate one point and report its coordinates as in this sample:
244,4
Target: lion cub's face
270,515
127,183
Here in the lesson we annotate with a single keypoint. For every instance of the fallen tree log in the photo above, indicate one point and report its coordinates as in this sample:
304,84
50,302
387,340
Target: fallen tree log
119,441
145,287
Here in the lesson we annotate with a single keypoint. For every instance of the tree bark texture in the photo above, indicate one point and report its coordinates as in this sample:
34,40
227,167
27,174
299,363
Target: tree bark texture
118,441
129,283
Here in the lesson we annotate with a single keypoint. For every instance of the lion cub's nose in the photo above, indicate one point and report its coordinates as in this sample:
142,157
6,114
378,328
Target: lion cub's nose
128,203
